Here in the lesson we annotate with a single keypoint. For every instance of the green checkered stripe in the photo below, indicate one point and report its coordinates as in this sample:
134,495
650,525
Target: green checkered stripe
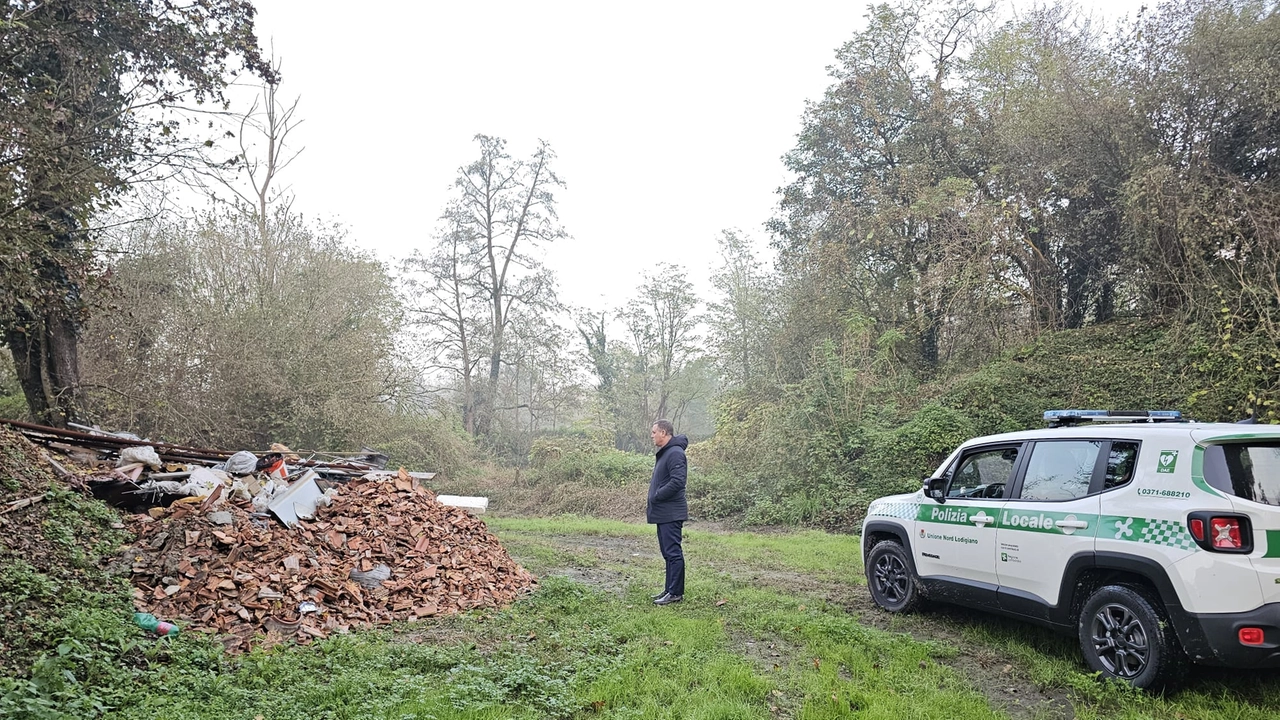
896,509
1153,531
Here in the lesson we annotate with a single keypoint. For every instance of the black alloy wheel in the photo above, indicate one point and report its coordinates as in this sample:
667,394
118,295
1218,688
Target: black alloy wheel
1120,641
1125,635
892,583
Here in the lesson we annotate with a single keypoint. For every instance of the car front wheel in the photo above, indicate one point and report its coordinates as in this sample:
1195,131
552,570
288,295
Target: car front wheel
892,582
1124,635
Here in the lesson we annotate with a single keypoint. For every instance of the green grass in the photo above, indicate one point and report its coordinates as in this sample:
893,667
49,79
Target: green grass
812,552
819,554
1053,661
738,647
565,525
572,651
869,669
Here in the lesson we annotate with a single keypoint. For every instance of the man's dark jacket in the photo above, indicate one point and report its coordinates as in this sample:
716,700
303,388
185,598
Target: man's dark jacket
666,489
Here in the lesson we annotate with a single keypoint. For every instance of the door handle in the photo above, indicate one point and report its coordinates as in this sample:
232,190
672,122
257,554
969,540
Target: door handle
981,519
1077,524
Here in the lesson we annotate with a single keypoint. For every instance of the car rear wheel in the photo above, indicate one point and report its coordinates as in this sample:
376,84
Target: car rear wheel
892,582
1125,635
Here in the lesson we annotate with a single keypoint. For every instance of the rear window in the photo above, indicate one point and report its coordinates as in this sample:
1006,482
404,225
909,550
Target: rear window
1120,464
1246,470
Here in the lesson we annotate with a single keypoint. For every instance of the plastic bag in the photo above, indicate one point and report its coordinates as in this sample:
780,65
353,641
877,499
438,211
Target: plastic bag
326,499
373,578
242,463
144,454
172,487
262,500
203,481
239,491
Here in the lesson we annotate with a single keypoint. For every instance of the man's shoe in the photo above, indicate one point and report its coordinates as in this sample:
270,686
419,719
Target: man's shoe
668,599
655,597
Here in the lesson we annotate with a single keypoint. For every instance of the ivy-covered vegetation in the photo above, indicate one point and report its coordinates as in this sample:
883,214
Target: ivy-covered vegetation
993,217
818,452
64,618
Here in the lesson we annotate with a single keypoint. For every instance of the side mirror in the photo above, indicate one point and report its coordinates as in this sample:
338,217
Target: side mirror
936,488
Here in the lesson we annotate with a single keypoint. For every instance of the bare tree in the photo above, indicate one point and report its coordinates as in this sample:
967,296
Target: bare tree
445,297
505,209
651,369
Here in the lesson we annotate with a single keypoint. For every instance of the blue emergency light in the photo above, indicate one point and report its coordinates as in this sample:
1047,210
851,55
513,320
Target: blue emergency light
1071,417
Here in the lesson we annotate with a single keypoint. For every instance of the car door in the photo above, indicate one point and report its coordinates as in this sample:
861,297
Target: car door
1052,516
956,539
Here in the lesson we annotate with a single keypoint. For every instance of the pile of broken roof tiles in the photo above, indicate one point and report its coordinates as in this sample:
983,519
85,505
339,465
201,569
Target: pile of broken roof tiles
382,551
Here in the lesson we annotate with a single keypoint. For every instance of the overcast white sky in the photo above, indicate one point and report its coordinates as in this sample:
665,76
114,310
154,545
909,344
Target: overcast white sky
669,119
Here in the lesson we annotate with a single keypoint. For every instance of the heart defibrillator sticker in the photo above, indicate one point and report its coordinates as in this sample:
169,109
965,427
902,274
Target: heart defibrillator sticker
1168,461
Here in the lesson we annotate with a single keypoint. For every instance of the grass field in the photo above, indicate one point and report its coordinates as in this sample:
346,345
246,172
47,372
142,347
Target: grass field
775,625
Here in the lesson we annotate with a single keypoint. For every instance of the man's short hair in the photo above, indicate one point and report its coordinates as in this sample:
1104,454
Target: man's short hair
665,426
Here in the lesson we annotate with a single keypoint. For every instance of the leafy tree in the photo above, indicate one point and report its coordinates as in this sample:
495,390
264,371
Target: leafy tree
1057,124
885,178
201,346
742,320
84,90
247,324
1202,203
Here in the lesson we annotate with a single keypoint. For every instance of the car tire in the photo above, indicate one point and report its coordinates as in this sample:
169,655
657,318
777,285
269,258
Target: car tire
1125,635
891,579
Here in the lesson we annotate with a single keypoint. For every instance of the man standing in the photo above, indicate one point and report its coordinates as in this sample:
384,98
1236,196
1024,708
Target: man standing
668,508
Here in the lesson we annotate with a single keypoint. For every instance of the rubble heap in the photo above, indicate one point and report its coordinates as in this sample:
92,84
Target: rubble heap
382,551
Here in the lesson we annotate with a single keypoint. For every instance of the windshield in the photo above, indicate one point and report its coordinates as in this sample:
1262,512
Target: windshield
1246,470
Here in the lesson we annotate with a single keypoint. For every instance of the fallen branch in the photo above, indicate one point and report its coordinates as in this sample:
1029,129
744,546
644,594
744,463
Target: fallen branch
24,502
74,480
57,466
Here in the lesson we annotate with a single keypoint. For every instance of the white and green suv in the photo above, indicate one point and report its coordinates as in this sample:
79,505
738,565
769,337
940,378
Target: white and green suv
1155,541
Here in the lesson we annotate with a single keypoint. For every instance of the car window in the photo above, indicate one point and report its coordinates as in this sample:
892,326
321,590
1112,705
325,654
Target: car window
983,474
1247,470
1120,463
1060,469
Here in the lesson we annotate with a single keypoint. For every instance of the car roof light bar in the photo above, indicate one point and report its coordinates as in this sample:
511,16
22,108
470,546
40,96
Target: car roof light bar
1058,418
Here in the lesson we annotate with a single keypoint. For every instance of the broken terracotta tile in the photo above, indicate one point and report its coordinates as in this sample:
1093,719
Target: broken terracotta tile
442,561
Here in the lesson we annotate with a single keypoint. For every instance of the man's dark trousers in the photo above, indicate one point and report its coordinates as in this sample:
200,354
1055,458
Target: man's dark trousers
669,537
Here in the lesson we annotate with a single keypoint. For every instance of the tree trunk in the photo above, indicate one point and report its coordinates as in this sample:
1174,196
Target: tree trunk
45,357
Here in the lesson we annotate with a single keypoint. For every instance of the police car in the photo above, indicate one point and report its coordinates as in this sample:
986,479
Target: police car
1153,539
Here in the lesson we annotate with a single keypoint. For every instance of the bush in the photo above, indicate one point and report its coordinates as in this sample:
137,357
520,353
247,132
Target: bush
719,495
856,428
419,442
579,460
896,459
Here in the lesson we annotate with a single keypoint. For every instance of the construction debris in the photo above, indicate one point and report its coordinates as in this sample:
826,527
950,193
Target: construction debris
139,475
298,501
472,504
382,551
262,549
102,445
